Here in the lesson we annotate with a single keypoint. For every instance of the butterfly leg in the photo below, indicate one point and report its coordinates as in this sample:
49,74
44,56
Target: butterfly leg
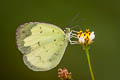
74,31
74,42
73,36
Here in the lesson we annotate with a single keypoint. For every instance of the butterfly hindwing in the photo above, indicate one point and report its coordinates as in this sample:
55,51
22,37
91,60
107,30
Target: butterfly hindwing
42,44
45,57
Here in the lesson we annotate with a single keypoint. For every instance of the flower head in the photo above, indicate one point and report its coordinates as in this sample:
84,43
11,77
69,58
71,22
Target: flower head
63,74
85,37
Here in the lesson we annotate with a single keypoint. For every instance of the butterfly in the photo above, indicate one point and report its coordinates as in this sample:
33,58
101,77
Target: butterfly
42,44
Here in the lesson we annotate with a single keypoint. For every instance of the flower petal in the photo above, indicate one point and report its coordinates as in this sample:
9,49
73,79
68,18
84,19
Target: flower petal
92,36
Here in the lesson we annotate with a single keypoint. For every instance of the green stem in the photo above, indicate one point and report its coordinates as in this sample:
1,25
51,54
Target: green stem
90,67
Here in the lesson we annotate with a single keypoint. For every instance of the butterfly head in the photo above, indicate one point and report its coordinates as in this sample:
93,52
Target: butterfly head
67,30
68,33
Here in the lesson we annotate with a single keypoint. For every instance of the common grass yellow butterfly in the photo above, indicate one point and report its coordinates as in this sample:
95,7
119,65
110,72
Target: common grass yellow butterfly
42,44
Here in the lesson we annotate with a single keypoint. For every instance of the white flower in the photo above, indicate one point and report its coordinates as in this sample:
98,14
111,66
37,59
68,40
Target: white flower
85,37
92,36
82,40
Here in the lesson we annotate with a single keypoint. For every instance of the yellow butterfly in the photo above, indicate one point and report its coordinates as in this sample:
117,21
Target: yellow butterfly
42,44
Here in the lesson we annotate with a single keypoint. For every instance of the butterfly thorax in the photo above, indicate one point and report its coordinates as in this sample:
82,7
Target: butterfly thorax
68,33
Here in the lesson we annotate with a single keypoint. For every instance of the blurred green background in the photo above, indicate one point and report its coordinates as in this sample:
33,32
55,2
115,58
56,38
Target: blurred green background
102,16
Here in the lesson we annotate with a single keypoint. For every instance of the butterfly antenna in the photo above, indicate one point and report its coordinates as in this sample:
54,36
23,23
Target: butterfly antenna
79,20
75,26
74,19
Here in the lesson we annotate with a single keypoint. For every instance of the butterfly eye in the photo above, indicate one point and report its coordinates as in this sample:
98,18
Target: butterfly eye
67,30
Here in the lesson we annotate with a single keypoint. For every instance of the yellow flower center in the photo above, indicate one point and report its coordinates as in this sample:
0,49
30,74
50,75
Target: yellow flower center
85,34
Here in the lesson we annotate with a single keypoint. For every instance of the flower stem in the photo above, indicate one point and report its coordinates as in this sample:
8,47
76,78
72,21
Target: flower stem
89,63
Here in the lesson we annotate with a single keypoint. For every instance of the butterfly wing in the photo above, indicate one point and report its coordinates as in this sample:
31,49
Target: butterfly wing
42,45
